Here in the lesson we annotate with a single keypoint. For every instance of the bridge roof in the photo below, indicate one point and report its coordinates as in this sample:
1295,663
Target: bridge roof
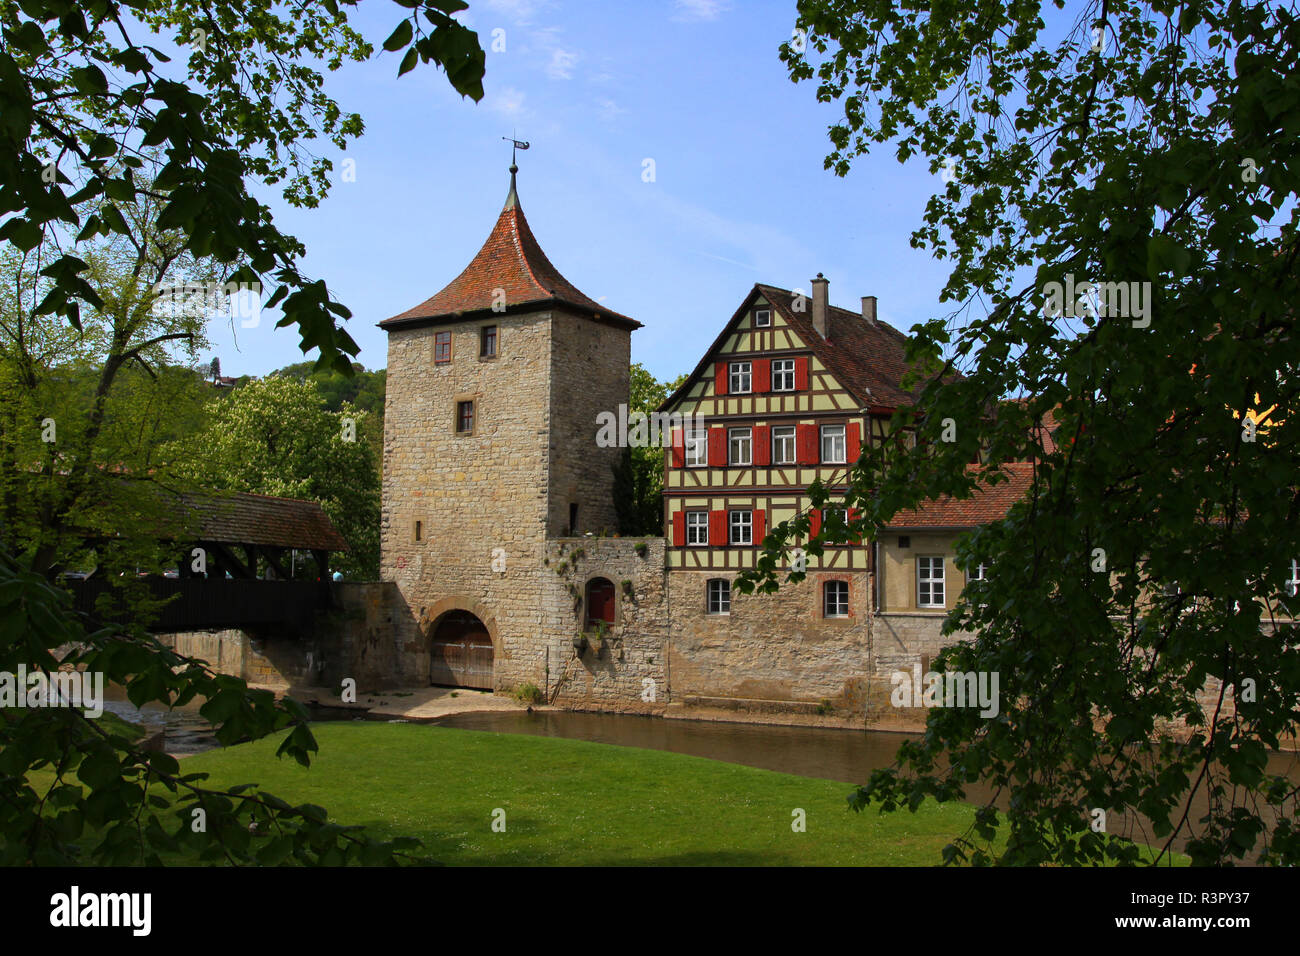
241,518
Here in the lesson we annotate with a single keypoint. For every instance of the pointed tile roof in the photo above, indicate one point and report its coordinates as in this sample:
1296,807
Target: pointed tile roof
511,260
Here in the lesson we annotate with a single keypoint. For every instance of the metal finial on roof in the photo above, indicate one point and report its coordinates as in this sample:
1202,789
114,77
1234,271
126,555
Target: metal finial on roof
513,198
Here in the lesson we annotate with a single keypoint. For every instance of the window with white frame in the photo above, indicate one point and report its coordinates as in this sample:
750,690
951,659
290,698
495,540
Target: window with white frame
834,451
929,582
740,378
835,599
697,446
783,447
762,318
697,528
719,596
783,375
742,527
1293,582
978,573
740,446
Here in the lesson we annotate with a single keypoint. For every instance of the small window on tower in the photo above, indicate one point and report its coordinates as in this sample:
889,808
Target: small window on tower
465,418
488,342
441,348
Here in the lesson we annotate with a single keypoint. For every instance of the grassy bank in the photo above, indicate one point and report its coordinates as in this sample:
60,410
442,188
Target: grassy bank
574,803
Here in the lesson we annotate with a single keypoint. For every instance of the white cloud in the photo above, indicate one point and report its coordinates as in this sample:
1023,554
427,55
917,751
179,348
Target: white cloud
561,65
520,11
608,109
507,101
696,10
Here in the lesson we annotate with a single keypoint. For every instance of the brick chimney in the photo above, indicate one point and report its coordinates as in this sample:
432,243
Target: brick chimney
869,309
819,297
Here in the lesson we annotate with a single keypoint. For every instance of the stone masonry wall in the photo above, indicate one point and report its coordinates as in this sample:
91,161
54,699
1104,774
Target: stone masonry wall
627,671
771,648
589,375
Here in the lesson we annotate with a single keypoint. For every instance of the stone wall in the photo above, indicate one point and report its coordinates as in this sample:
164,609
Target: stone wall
772,652
627,670
589,375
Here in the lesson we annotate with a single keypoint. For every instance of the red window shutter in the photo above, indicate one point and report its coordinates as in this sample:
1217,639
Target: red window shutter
762,445
720,378
760,526
806,442
717,447
854,441
717,529
801,375
762,375
679,449
816,517
679,529
853,516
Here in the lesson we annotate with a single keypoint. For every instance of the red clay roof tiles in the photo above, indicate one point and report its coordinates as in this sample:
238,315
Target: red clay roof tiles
512,261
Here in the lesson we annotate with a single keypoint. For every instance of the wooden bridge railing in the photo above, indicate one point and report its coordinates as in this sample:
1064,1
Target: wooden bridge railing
214,602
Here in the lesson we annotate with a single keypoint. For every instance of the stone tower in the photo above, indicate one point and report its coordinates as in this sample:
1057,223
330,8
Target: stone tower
494,387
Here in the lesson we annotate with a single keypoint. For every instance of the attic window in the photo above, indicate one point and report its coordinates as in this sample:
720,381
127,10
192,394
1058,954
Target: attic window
762,318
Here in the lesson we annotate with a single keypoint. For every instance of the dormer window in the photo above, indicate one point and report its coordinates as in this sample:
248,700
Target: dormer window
740,378
762,318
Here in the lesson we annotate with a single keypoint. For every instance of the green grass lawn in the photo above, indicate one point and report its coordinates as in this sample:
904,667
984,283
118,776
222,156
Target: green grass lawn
570,802
577,803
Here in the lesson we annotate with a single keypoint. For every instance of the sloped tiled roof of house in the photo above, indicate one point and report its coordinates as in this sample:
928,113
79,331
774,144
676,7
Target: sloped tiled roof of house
986,504
865,358
511,260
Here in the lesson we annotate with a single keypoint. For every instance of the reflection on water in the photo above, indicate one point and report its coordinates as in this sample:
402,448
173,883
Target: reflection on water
846,755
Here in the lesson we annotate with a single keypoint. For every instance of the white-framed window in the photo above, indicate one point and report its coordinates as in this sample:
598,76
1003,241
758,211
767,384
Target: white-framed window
762,318
697,446
1293,582
835,599
834,450
783,375
740,378
697,528
742,527
719,596
783,445
740,446
978,573
929,582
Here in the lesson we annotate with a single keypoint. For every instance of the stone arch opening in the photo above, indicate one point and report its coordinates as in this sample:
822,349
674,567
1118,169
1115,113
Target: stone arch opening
460,651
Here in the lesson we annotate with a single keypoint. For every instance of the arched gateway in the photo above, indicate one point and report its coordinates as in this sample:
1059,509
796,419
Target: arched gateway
460,653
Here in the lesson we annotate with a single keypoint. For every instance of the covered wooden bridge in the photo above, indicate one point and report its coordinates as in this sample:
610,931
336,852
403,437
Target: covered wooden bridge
239,563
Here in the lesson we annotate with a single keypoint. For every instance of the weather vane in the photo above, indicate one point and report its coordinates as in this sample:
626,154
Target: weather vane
514,145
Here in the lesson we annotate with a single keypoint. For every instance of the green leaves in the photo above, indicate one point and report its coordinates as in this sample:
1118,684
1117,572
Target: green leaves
400,37
1122,168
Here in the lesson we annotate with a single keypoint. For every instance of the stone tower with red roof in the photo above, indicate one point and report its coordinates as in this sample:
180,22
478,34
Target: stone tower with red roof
493,477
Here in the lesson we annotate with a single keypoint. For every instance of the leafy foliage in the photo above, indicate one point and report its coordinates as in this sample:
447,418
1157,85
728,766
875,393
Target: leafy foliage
84,100
639,475
1119,142
96,123
272,437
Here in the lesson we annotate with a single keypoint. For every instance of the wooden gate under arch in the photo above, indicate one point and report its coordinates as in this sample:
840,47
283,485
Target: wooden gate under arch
460,653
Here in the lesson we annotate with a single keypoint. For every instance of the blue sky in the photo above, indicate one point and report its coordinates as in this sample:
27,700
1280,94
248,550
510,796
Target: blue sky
739,196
